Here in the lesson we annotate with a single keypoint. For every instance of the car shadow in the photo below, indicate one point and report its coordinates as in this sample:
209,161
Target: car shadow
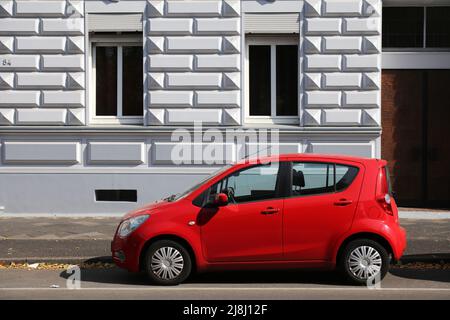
439,275
114,276
122,277
119,276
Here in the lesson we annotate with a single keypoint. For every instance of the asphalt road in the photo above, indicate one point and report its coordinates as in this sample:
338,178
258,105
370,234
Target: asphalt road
118,284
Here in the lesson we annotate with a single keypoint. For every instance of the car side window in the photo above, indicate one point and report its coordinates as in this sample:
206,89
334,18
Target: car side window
312,178
345,176
317,178
251,184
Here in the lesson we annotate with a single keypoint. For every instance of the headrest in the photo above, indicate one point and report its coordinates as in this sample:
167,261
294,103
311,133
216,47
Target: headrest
298,179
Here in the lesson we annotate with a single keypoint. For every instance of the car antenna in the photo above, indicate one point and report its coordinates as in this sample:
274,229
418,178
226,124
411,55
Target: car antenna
248,156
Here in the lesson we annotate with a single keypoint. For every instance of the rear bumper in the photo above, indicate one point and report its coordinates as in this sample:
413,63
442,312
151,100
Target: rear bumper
400,247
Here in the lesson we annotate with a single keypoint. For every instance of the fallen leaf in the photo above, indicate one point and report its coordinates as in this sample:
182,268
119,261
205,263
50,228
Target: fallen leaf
33,265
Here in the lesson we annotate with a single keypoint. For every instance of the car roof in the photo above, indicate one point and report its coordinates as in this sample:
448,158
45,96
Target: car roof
307,156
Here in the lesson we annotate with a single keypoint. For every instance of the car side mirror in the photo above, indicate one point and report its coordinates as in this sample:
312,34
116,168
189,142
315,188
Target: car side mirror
220,200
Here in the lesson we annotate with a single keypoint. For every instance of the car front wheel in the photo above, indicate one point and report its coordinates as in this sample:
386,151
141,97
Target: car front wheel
364,262
167,262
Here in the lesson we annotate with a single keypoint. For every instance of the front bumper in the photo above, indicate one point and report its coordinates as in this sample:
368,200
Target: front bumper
126,251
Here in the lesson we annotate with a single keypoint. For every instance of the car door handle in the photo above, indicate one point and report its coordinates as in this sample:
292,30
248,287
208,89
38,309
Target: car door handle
270,210
343,202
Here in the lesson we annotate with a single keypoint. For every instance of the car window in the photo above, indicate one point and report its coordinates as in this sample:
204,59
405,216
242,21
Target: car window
317,178
252,184
345,176
388,180
312,178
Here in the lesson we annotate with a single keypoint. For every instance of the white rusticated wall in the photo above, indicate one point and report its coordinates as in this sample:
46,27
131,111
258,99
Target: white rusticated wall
42,79
193,53
194,62
342,62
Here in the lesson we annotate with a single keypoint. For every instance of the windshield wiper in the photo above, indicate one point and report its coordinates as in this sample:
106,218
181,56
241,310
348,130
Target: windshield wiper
171,198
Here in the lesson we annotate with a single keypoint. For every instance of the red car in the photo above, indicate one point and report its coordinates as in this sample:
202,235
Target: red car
288,211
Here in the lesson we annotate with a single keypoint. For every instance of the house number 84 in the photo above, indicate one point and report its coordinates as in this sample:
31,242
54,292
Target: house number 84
6,62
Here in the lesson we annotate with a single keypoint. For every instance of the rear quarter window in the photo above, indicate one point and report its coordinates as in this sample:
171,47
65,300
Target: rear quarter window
388,180
345,176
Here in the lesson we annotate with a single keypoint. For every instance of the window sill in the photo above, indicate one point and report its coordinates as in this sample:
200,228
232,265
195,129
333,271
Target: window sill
288,120
98,121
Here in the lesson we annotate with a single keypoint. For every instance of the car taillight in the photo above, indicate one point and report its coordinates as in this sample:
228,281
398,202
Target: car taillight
385,202
383,190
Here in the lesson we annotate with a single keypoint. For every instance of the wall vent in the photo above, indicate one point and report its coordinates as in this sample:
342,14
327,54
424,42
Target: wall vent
116,195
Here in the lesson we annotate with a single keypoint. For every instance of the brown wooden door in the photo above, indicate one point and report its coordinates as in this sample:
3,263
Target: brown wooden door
416,135
401,139
438,138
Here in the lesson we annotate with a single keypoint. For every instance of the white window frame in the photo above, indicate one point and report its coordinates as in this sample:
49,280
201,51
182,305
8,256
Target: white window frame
272,41
119,42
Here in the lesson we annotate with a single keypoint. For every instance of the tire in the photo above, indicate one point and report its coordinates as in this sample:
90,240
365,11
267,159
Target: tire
162,263
353,267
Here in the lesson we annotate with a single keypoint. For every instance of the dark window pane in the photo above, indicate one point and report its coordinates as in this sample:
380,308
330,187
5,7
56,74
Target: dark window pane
252,184
345,176
259,80
438,27
106,81
287,80
133,92
403,27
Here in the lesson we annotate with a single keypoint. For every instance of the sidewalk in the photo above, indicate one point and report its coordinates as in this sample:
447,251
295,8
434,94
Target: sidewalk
66,239
56,239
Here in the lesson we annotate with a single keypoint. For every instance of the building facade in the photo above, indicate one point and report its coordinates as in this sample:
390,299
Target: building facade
91,93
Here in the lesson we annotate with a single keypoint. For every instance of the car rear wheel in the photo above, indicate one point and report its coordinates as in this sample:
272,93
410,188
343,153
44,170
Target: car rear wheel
167,262
364,262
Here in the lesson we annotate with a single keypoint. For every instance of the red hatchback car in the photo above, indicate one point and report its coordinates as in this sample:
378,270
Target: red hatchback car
288,211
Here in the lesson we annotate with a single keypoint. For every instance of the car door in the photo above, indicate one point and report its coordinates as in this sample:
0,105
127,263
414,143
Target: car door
320,208
249,228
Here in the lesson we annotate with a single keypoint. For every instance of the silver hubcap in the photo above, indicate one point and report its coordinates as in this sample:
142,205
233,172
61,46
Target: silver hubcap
364,262
167,263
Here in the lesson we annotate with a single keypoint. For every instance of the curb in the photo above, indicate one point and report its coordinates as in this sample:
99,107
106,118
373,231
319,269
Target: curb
424,258
59,260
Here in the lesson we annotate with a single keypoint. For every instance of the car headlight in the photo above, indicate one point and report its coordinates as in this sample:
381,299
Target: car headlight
131,224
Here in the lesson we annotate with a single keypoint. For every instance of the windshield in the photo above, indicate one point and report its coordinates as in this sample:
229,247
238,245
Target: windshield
178,196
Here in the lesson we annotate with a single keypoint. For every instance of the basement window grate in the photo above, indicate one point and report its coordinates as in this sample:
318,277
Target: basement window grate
116,195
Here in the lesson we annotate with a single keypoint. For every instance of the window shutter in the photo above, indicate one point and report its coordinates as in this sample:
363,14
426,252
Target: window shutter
115,22
272,23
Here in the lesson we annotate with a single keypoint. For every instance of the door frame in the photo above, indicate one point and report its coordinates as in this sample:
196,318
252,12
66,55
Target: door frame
281,192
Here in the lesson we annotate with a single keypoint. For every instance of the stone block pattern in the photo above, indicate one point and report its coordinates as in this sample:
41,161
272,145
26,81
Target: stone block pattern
193,62
152,152
342,63
42,62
